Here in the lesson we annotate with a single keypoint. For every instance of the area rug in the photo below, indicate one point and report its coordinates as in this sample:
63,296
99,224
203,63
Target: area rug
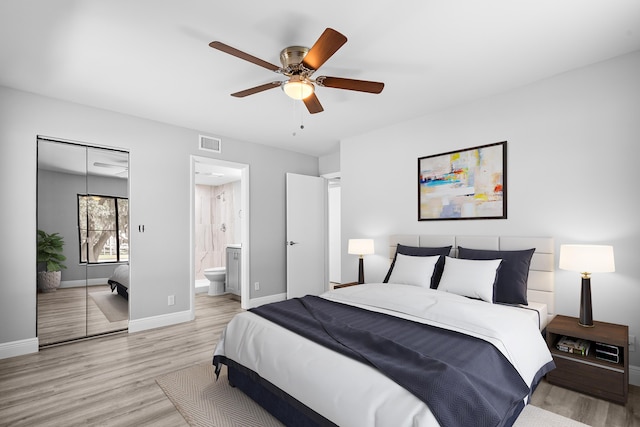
113,306
532,416
203,401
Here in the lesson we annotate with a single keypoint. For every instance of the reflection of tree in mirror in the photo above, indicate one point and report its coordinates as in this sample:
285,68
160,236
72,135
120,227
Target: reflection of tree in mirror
104,228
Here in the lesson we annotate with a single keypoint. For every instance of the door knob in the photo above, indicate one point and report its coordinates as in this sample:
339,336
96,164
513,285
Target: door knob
291,243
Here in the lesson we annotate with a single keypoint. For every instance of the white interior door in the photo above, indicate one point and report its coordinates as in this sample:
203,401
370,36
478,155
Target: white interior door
306,235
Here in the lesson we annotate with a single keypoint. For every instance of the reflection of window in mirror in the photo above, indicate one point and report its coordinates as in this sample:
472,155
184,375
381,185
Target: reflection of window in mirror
103,222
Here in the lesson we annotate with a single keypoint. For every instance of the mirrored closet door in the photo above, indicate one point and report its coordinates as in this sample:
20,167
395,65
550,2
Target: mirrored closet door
83,244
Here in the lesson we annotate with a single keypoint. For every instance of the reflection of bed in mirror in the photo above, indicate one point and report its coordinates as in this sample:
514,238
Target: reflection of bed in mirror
389,353
119,281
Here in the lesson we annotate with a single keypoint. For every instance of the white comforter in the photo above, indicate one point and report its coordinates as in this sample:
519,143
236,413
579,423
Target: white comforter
350,393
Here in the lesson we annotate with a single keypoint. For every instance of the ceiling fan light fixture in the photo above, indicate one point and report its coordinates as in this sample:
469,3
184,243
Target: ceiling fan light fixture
298,88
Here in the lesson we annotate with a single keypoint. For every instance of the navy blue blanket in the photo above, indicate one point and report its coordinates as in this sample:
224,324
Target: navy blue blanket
465,381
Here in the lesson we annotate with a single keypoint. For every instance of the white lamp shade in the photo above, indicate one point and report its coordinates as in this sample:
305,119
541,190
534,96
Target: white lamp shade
360,246
587,258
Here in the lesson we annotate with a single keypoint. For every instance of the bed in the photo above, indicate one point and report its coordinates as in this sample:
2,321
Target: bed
119,281
423,349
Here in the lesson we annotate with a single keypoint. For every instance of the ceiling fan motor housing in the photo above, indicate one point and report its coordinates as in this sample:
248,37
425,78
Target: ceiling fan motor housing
291,57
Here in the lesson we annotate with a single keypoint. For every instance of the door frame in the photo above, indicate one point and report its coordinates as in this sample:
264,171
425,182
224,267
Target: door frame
244,226
334,257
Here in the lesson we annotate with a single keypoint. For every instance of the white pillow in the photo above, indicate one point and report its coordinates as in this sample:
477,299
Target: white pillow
470,277
413,270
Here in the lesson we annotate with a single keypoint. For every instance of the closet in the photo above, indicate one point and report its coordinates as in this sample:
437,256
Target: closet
82,198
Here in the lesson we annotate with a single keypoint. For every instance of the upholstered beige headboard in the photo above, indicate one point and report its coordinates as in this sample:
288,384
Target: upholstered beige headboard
541,282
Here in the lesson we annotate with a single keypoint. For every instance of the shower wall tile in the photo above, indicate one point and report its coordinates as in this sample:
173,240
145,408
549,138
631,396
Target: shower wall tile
215,211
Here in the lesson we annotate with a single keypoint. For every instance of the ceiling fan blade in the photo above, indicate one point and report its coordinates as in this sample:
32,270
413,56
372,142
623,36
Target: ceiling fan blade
328,44
256,89
313,104
350,84
242,55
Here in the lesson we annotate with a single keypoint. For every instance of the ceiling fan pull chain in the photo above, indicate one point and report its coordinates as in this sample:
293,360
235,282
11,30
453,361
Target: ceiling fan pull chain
297,111
301,119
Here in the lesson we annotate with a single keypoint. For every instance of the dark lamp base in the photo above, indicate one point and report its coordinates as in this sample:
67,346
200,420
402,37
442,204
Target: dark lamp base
586,316
361,271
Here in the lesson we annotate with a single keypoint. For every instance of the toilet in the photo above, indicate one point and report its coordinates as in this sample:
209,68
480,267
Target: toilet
216,278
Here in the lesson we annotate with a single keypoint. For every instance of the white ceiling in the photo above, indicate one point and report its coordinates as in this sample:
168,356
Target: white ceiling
214,174
150,58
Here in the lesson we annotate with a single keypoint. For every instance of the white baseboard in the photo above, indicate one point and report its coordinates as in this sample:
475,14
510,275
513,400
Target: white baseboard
137,325
18,348
634,375
257,302
202,286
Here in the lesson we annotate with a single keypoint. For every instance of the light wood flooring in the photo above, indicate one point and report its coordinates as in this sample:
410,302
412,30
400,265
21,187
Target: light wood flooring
586,409
110,381
70,313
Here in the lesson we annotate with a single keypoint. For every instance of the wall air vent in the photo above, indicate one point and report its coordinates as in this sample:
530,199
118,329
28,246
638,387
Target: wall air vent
209,143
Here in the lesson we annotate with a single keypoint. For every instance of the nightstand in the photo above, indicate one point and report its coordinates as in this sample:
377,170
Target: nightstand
344,285
588,374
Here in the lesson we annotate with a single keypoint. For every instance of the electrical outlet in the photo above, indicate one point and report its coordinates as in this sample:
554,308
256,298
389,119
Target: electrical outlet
171,300
256,286
632,343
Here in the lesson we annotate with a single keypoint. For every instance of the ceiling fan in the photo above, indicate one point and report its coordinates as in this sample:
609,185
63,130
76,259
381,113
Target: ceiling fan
298,64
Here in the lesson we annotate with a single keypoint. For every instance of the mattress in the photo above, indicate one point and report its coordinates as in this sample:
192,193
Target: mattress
537,311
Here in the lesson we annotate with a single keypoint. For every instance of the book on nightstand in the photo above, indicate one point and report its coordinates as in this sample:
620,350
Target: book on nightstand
574,345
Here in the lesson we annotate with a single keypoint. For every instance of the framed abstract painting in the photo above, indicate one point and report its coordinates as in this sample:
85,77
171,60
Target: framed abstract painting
464,184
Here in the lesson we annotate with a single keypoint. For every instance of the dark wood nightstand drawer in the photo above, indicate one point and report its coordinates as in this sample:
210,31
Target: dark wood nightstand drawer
580,375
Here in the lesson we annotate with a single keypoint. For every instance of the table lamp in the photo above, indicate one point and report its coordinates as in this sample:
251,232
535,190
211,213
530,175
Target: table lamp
586,259
361,247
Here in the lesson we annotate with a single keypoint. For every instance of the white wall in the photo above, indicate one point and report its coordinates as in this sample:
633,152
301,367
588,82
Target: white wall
329,164
573,147
159,198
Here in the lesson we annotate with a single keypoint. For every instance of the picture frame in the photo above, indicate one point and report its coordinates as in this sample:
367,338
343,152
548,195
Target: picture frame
464,184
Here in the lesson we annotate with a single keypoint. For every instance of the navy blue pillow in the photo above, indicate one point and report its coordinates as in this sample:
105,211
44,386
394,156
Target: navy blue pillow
511,286
422,251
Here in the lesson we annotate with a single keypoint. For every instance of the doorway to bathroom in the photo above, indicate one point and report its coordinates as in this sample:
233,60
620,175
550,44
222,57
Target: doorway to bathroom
219,229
